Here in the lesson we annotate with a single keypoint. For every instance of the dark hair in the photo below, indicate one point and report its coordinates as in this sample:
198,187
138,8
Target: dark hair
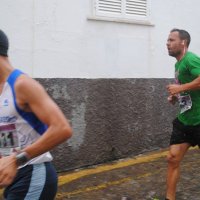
4,44
184,35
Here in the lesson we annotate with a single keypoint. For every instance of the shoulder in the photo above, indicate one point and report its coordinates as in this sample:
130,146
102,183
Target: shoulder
192,59
25,82
191,55
28,88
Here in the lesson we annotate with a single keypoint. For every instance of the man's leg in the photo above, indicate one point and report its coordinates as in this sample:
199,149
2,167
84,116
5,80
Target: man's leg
175,156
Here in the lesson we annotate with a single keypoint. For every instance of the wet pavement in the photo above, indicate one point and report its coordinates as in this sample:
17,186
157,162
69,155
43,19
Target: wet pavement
136,178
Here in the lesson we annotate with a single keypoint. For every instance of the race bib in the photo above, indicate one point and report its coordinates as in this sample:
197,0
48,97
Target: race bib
8,140
185,103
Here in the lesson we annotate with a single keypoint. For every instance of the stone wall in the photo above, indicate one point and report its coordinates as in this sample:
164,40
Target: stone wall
111,118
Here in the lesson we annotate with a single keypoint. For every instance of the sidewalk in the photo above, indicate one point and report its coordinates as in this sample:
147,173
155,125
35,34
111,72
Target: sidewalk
137,178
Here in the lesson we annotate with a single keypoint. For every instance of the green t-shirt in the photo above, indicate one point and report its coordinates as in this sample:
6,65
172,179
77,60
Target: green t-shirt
188,69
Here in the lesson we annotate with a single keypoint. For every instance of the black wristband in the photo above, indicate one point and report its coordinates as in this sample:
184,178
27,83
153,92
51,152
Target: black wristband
22,158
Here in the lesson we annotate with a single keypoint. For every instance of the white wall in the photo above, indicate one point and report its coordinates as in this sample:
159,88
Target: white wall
54,39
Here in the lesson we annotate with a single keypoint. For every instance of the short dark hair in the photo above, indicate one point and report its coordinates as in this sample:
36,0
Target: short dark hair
4,44
184,35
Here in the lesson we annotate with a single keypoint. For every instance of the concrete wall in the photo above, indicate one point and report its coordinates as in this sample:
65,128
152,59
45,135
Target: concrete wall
109,78
111,118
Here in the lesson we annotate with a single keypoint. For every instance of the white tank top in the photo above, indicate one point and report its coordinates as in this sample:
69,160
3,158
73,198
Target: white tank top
18,128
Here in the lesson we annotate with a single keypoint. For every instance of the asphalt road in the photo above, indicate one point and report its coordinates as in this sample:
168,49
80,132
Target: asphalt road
136,178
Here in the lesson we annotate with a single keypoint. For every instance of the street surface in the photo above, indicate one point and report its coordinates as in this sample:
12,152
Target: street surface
136,178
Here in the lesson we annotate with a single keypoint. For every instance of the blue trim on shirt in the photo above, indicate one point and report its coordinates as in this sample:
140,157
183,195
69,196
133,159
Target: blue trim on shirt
30,117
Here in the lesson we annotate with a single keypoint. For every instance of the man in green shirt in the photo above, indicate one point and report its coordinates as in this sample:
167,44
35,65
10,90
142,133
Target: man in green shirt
185,91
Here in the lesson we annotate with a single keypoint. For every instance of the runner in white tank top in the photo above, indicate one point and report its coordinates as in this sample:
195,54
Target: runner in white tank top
31,124
18,128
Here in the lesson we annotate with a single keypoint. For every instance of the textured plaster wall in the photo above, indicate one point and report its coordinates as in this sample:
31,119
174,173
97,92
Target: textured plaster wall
111,118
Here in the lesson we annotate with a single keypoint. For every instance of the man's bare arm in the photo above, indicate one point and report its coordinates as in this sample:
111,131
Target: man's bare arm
174,89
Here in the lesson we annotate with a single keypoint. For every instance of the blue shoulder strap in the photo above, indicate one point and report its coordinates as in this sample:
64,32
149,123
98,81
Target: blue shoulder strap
30,117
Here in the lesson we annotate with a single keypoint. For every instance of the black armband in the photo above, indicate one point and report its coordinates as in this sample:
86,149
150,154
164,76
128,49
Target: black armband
22,158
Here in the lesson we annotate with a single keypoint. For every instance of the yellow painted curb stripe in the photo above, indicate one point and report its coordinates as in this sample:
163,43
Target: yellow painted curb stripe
120,164
93,188
108,167
101,186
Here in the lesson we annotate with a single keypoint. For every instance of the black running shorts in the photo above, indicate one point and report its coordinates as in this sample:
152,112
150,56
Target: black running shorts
185,134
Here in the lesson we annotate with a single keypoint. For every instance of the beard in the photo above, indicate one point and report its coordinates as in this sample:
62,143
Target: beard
174,53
